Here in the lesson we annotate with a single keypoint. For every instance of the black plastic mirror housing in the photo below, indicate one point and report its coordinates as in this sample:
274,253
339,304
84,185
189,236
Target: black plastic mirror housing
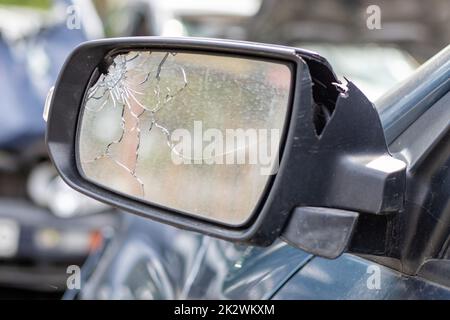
331,164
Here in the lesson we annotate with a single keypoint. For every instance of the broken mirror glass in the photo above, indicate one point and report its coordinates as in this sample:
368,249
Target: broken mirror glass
197,133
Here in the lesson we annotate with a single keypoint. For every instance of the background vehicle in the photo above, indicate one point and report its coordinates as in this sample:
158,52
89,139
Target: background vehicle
44,226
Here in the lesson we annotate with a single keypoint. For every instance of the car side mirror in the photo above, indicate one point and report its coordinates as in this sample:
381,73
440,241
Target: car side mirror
242,141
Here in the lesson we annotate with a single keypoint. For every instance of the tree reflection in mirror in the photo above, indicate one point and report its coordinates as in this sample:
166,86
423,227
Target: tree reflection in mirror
197,133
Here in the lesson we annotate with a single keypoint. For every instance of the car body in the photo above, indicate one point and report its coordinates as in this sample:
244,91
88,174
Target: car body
148,260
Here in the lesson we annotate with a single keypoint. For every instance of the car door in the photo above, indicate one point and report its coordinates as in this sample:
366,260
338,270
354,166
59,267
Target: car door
149,260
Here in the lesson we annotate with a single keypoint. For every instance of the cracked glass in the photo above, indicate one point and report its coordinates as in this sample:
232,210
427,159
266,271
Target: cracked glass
157,127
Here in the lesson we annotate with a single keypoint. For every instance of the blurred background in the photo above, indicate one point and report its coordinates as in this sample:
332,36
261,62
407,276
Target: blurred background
44,225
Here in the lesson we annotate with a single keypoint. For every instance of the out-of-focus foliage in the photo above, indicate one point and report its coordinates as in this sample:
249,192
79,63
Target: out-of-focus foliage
41,4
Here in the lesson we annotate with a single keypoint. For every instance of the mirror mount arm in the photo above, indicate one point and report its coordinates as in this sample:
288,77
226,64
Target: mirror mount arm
324,232
329,232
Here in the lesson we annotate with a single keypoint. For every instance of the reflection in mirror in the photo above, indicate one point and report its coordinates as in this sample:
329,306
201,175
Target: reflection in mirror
196,133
